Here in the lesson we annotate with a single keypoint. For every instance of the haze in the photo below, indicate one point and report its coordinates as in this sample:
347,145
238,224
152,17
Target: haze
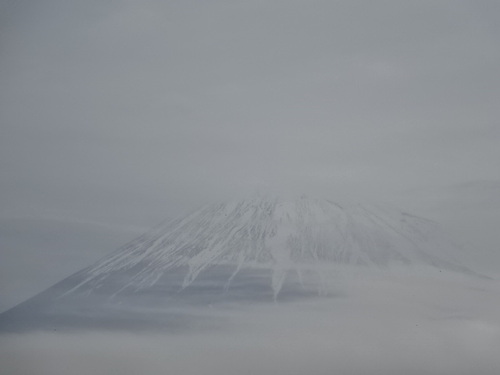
372,324
117,115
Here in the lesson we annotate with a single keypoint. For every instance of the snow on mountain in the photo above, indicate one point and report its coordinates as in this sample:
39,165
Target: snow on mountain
282,235
253,249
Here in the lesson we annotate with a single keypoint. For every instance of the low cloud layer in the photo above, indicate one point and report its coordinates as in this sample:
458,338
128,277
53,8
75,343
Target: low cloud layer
373,325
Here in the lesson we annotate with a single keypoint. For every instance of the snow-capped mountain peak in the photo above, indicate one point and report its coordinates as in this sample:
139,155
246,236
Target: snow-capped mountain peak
258,249
279,235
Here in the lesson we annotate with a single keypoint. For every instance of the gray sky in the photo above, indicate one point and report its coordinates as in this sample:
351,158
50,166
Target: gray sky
116,115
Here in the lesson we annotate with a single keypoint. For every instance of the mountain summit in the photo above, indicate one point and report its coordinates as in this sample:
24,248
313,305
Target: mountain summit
259,249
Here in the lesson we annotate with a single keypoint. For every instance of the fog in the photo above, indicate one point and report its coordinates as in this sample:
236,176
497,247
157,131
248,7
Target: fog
116,115
375,323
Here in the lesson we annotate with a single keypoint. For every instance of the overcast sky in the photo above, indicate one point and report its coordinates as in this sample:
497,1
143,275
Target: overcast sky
116,115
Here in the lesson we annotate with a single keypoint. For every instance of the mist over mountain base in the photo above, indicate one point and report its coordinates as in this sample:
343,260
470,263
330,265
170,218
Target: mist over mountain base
372,323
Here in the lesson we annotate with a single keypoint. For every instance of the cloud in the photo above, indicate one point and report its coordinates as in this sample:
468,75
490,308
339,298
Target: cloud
165,104
378,325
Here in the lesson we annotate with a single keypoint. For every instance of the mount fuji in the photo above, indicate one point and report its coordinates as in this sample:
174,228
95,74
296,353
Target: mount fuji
243,251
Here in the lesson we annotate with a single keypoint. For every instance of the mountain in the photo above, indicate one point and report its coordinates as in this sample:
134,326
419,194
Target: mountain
244,251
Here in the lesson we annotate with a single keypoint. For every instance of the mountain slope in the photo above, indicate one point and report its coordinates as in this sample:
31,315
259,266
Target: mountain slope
260,249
